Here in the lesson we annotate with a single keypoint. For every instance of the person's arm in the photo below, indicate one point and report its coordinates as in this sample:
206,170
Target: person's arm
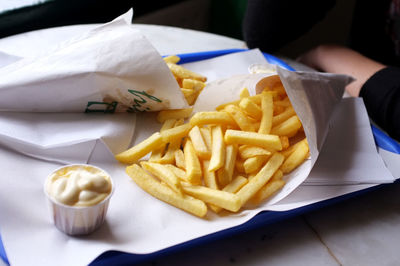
342,60
377,84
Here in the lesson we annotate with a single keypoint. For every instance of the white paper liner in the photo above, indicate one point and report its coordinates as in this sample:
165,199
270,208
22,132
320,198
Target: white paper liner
139,223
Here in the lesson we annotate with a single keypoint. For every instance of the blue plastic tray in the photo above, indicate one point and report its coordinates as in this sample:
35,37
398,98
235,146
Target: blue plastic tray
262,219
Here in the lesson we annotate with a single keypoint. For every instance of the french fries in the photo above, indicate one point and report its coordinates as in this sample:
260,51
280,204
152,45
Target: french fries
191,83
163,173
261,140
192,164
248,151
154,142
257,182
267,109
199,143
250,108
220,198
211,118
173,114
296,157
220,160
218,149
225,173
164,192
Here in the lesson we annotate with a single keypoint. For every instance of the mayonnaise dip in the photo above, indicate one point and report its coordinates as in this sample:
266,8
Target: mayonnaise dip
79,185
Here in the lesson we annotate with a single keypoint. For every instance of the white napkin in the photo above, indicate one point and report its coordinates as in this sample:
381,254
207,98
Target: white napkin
349,143
6,59
65,137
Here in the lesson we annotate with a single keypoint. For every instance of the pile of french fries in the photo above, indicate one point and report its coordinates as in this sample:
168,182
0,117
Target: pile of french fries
220,160
190,83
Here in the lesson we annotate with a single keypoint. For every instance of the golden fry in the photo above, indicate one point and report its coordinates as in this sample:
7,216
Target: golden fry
279,89
181,174
199,144
248,151
278,175
164,115
172,59
206,134
169,156
223,199
267,108
285,142
234,186
158,153
211,118
288,127
225,173
164,193
239,166
296,158
244,93
283,103
180,159
253,164
292,148
183,73
268,190
210,179
251,138
257,182
240,118
289,112
256,99
250,108
192,164
190,95
218,149
176,133
138,151
164,174
192,84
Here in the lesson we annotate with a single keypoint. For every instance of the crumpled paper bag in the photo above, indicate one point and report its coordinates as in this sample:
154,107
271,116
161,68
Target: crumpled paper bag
314,97
112,68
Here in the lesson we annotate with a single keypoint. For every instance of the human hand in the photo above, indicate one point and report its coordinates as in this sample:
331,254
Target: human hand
342,60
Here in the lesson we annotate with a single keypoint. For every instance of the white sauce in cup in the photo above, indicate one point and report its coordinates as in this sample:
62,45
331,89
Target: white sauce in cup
79,185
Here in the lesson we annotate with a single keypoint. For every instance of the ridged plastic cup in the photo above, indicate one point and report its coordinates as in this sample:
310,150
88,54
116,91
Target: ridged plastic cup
74,220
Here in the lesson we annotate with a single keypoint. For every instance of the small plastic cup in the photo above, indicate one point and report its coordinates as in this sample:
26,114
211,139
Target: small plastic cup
77,220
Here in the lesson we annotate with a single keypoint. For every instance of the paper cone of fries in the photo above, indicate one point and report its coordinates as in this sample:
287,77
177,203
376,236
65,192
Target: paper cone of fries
313,96
112,68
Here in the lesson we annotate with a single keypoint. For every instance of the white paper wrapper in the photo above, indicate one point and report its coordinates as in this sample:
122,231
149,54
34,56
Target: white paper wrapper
302,89
112,68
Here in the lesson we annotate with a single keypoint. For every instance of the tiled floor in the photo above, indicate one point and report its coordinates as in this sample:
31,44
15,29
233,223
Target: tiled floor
362,231
359,231
291,242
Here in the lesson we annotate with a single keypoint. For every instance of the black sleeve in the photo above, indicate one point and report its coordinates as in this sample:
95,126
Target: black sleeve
270,24
381,94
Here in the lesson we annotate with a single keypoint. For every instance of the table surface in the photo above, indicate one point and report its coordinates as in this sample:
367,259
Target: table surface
360,231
